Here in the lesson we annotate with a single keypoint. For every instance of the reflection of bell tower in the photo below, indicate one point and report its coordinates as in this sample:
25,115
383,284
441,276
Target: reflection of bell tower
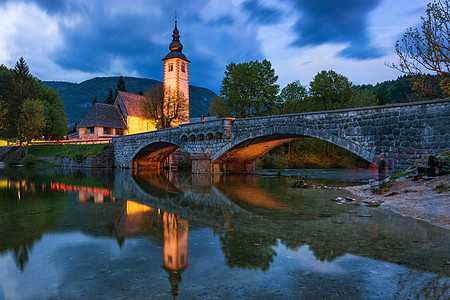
175,248
176,75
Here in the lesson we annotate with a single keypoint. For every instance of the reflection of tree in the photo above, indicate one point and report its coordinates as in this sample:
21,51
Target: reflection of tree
435,288
21,254
324,253
291,244
248,250
27,211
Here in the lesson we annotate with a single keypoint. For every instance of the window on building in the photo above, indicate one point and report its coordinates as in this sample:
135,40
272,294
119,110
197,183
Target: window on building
107,130
183,67
170,67
90,130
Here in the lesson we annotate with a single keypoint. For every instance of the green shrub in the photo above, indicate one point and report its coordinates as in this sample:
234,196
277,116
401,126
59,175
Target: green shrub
29,161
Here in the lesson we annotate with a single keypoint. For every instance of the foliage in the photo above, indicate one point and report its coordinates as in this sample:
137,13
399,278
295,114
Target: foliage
330,90
364,97
29,161
110,98
95,100
55,118
16,86
31,120
163,107
426,49
291,99
248,89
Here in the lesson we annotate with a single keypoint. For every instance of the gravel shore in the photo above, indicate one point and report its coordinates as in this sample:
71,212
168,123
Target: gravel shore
418,199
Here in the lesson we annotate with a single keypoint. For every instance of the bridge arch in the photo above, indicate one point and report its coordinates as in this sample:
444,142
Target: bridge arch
245,150
152,154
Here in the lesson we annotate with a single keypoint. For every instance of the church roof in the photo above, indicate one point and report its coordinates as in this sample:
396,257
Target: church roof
131,102
103,115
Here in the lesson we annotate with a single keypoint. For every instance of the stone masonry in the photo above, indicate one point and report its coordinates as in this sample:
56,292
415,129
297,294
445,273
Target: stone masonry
404,133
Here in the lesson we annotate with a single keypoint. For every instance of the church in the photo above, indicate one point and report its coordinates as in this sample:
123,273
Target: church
124,116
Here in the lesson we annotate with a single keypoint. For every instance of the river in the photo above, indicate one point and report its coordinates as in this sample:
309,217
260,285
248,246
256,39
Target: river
108,234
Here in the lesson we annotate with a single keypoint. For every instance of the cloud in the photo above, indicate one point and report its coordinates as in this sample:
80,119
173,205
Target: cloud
262,14
330,21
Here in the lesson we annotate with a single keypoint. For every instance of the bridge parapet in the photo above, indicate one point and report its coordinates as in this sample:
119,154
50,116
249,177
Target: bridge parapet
404,133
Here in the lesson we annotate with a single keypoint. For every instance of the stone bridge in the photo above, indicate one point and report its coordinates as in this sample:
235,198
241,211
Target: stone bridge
404,133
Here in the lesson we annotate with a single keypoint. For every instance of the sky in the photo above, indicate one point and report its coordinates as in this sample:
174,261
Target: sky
75,40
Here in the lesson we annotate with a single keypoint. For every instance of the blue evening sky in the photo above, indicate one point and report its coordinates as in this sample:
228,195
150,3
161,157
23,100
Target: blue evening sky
75,40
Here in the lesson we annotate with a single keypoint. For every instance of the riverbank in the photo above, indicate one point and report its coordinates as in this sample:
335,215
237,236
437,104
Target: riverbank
426,199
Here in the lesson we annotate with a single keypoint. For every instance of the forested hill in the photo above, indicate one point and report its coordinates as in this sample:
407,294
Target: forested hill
399,90
77,98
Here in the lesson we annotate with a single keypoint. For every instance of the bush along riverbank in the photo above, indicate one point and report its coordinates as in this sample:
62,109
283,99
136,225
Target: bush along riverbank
309,153
87,156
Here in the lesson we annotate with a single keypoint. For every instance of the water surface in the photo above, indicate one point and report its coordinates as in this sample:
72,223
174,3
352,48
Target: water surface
106,234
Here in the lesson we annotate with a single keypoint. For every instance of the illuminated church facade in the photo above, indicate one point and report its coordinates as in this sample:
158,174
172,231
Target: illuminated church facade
124,116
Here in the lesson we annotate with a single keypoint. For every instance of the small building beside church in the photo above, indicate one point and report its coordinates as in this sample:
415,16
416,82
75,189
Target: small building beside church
124,116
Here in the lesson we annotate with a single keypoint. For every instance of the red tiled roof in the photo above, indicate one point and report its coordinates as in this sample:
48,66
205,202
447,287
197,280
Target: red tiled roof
131,102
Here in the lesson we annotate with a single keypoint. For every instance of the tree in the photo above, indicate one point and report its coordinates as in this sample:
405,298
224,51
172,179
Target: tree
110,98
161,107
363,96
248,89
95,100
427,50
120,86
55,117
31,120
330,90
291,99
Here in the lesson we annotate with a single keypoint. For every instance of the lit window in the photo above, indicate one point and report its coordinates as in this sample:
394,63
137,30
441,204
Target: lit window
183,67
170,67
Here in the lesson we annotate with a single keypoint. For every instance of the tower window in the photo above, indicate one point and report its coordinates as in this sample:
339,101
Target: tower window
170,67
183,67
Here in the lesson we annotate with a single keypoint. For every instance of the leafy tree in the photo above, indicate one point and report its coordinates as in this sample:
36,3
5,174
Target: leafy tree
22,87
55,117
219,107
291,99
95,100
164,108
31,120
248,89
363,96
426,49
110,98
330,90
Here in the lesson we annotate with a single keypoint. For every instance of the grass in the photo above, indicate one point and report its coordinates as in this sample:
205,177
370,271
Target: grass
442,188
75,152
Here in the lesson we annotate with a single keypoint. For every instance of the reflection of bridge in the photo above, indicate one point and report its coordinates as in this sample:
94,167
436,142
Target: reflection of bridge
207,202
403,132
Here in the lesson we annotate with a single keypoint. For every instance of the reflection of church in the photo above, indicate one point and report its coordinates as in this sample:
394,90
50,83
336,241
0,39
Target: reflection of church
130,218
124,116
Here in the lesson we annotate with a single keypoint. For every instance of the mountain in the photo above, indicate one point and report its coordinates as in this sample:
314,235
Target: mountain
77,98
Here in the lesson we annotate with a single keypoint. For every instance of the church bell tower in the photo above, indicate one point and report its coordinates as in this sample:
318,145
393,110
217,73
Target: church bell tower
176,75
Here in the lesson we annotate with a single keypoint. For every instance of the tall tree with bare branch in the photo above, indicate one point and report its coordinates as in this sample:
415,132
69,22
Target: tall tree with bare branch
163,108
425,50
